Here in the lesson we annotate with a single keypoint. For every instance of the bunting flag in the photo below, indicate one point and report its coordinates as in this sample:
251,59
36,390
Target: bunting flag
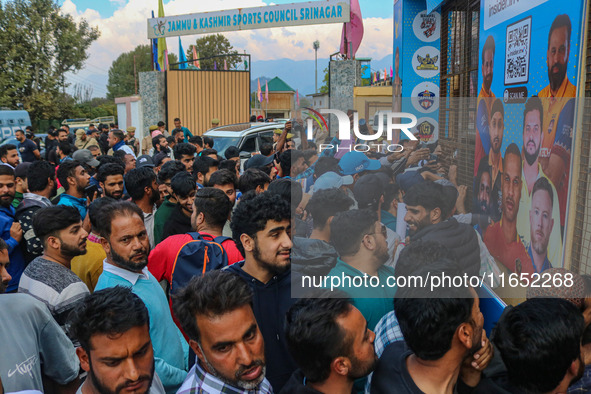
391,73
162,50
259,92
385,74
266,92
297,98
195,57
155,51
352,32
198,64
225,65
375,77
182,57
215,65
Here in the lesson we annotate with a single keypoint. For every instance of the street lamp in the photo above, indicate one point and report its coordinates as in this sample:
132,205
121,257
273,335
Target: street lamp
316,46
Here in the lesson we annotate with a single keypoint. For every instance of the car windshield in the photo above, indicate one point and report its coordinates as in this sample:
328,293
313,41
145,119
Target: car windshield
222,143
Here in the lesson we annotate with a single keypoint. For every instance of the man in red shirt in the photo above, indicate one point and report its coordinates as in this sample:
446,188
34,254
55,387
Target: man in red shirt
211,209
501,238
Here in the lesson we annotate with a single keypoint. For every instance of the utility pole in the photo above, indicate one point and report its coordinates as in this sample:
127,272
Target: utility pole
134,74
316,46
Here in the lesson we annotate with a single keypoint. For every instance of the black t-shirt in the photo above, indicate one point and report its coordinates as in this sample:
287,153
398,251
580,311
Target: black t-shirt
391,374
49,146
26,149
391,371
177,223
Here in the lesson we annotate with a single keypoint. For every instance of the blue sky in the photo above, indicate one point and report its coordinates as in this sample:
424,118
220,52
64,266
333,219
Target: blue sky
106,8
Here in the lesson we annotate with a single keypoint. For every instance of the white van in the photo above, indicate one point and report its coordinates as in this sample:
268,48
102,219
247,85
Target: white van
11,121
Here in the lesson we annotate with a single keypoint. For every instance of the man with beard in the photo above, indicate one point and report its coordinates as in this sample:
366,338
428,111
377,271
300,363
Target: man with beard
110,178
360,240
9,155
42,187
74,179
532,172
540,343
178,127
159,144
203,167
483,189
117,143
11,231
216,312
49,277
441,331
112,326
427,216
129,161
36,353
556,94
496,128
62,135
502,239
125,240
261,228
420,258
541,224
185,153
143,190
330,341
27,148
486,94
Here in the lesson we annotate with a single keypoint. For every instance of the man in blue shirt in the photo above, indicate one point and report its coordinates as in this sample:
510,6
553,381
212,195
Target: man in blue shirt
117,142
74,179
360,240
186,132
27,148
126,244
10,231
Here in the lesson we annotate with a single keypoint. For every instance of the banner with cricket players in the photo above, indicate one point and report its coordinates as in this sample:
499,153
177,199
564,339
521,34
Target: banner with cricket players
529,55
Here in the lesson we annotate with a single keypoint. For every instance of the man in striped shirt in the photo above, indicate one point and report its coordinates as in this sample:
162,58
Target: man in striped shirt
49,277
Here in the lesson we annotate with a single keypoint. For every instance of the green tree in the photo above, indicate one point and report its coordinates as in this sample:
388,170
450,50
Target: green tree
121,76
214,45
324,87
39,45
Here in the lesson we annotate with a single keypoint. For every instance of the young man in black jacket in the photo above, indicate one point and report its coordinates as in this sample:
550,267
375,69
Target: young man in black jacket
183,189
261,229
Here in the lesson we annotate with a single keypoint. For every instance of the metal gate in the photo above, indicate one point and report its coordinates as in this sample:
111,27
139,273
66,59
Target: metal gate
460,22
197,97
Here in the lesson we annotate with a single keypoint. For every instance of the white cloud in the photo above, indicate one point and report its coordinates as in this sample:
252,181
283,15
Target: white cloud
127,28
119,3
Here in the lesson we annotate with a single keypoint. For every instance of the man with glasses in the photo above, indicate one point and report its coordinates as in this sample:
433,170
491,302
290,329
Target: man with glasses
360,240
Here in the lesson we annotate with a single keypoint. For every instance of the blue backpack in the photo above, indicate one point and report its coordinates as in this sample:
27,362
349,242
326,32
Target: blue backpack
197,257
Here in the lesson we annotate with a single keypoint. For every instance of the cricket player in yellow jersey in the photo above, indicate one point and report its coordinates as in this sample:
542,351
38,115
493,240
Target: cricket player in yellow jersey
556,94
486,94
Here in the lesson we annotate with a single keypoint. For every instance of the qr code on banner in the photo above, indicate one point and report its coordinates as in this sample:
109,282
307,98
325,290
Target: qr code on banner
517,49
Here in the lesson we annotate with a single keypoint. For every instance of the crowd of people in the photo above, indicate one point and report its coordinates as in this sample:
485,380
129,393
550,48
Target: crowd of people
182,270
